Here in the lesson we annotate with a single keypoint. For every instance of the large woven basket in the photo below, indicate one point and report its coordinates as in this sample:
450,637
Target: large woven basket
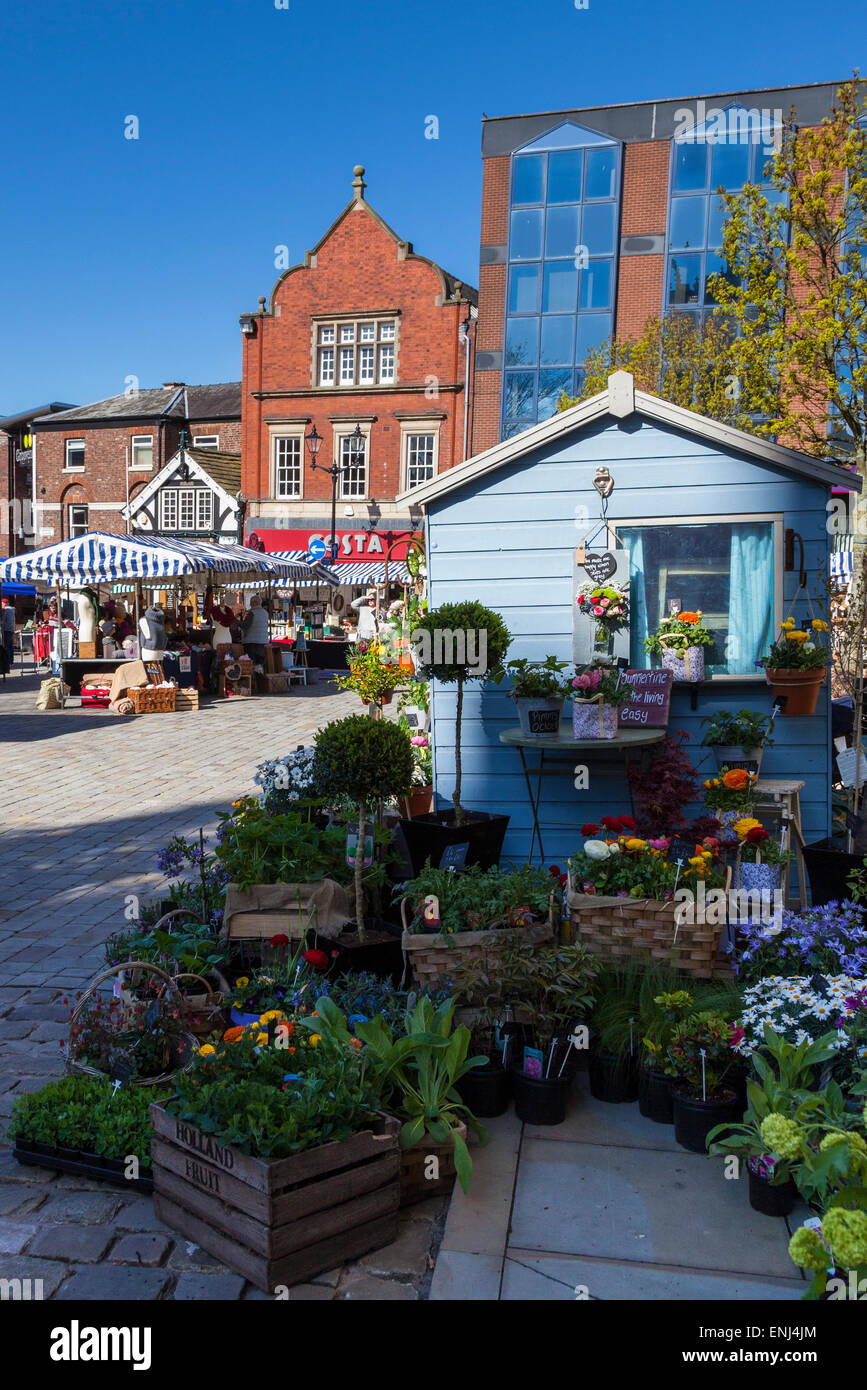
615,928
432,958
188,1044
153,699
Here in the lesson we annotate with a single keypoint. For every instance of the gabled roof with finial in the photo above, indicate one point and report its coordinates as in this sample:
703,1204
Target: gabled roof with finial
454,290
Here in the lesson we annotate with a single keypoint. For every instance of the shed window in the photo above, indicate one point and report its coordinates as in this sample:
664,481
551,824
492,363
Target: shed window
724,568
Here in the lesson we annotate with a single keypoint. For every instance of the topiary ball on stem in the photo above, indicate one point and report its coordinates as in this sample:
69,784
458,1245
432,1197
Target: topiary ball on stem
368,760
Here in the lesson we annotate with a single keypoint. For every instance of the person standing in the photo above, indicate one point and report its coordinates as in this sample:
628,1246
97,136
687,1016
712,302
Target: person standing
256,631
368,623
8,630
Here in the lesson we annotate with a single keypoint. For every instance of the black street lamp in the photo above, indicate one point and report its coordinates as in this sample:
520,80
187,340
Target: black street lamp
337,470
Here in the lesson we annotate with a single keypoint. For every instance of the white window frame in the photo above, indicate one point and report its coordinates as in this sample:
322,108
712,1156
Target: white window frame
409,429
138,441
206,441
331,340
186,501
344,431
74,467
276,440
73,527
724,518
168,494
204,514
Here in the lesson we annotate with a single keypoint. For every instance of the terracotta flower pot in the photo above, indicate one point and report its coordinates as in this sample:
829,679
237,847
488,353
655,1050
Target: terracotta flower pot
420,801
799,688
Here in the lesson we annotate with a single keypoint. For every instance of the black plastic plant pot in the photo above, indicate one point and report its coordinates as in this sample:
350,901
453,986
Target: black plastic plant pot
540,1101
26,1146
613,1077
654,1096
68,1155
430,835
827,869
694,1119
485,1090
771,1200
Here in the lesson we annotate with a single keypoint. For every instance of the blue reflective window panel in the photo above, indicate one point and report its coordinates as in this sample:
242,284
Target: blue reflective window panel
525,243
763,163
564,177
557,336
560,288
687,222
593,331
524,289
551,387
561,232
598,228
730,165
513,427
601,173
716,265
716,218
774,197
684,279
522,337
528,174
596,285
690,166
518,402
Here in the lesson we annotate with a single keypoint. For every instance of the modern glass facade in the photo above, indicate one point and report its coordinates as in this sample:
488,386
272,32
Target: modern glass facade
562,267
711,159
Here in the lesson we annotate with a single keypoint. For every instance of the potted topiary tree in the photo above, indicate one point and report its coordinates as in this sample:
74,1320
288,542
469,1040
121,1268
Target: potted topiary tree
365,761
456,643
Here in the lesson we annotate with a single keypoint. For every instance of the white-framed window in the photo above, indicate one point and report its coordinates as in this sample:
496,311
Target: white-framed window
360,353
169,509
206,441
204,509
353,474
78,524
420,458
287,466
142,453
74,460
186,509
729,567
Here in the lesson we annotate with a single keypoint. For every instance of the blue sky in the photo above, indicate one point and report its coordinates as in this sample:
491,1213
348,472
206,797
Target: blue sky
134,257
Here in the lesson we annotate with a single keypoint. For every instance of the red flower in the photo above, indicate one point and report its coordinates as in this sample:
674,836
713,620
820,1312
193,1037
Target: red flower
563,880
627,822
757,835
611,822
317,959
280,940
590,829
554,871
737,1036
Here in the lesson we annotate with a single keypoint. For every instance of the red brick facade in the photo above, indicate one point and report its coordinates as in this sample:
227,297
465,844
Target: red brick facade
360,273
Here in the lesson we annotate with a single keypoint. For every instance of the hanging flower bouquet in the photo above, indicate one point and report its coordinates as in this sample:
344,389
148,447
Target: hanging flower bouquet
680,641
608,606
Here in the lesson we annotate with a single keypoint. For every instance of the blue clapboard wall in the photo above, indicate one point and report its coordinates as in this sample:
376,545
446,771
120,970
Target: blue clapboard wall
508,540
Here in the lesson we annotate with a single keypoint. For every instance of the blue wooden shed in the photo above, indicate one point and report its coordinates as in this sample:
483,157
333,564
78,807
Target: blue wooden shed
707,513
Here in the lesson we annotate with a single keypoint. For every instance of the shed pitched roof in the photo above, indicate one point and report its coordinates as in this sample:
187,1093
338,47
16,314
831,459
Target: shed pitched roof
619,401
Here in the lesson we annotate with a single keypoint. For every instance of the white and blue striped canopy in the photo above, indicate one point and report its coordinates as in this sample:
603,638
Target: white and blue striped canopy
841,566
99,558
358,572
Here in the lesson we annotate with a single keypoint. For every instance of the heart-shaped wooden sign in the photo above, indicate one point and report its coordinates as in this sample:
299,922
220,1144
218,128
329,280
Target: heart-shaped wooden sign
600,567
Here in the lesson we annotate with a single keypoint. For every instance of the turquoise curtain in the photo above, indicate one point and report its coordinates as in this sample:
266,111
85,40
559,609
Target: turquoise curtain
751,596
633,541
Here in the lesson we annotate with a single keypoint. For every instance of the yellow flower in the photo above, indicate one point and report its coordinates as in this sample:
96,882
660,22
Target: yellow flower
270,1015
796,636
261,1040
743,827
207,1051
819,626
697,860
315,1039
242,982
634,843
787,623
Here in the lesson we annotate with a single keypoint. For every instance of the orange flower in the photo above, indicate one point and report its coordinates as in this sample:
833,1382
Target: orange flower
688,617
233,1034
736,779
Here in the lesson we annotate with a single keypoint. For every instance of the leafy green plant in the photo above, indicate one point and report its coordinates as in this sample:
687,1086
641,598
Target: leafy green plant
88,1113
550,987
193,948
678,633
478,899
799,649
746,729
701,1052
369,760
369,676
422,1069
538,680
257,847
597,679
469,623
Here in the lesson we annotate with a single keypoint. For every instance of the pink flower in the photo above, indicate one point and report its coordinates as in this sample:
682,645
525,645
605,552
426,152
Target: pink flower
419,741
597,610
604,602
615,612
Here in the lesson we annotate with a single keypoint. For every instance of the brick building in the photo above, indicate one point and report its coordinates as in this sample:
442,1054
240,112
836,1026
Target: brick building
371,343
18,526
596,219
94,460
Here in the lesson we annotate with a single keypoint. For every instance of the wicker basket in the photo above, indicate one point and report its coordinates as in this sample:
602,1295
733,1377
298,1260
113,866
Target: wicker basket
615,928
153,700
188,1044
431,958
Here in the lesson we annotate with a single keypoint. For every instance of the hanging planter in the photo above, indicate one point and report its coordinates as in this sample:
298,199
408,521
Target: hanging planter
733,755
679,643
800,689
684,663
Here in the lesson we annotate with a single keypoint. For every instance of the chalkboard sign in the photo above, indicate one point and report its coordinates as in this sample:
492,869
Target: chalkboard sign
651,696
600,567
454,856
680,851
543,721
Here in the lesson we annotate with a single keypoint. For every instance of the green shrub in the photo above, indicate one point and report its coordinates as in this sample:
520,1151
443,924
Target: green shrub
87,1113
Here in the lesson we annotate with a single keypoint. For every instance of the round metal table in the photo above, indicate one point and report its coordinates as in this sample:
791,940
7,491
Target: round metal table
563,743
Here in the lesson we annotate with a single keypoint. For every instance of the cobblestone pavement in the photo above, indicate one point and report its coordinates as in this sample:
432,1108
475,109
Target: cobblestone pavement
87,801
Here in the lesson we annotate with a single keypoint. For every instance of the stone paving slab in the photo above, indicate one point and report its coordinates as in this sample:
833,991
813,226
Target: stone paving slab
527,1277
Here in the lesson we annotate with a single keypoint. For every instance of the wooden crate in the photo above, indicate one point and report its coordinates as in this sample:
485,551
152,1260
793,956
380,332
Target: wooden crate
272,683
615,928
280,1221
187,698
290,909
415,1185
